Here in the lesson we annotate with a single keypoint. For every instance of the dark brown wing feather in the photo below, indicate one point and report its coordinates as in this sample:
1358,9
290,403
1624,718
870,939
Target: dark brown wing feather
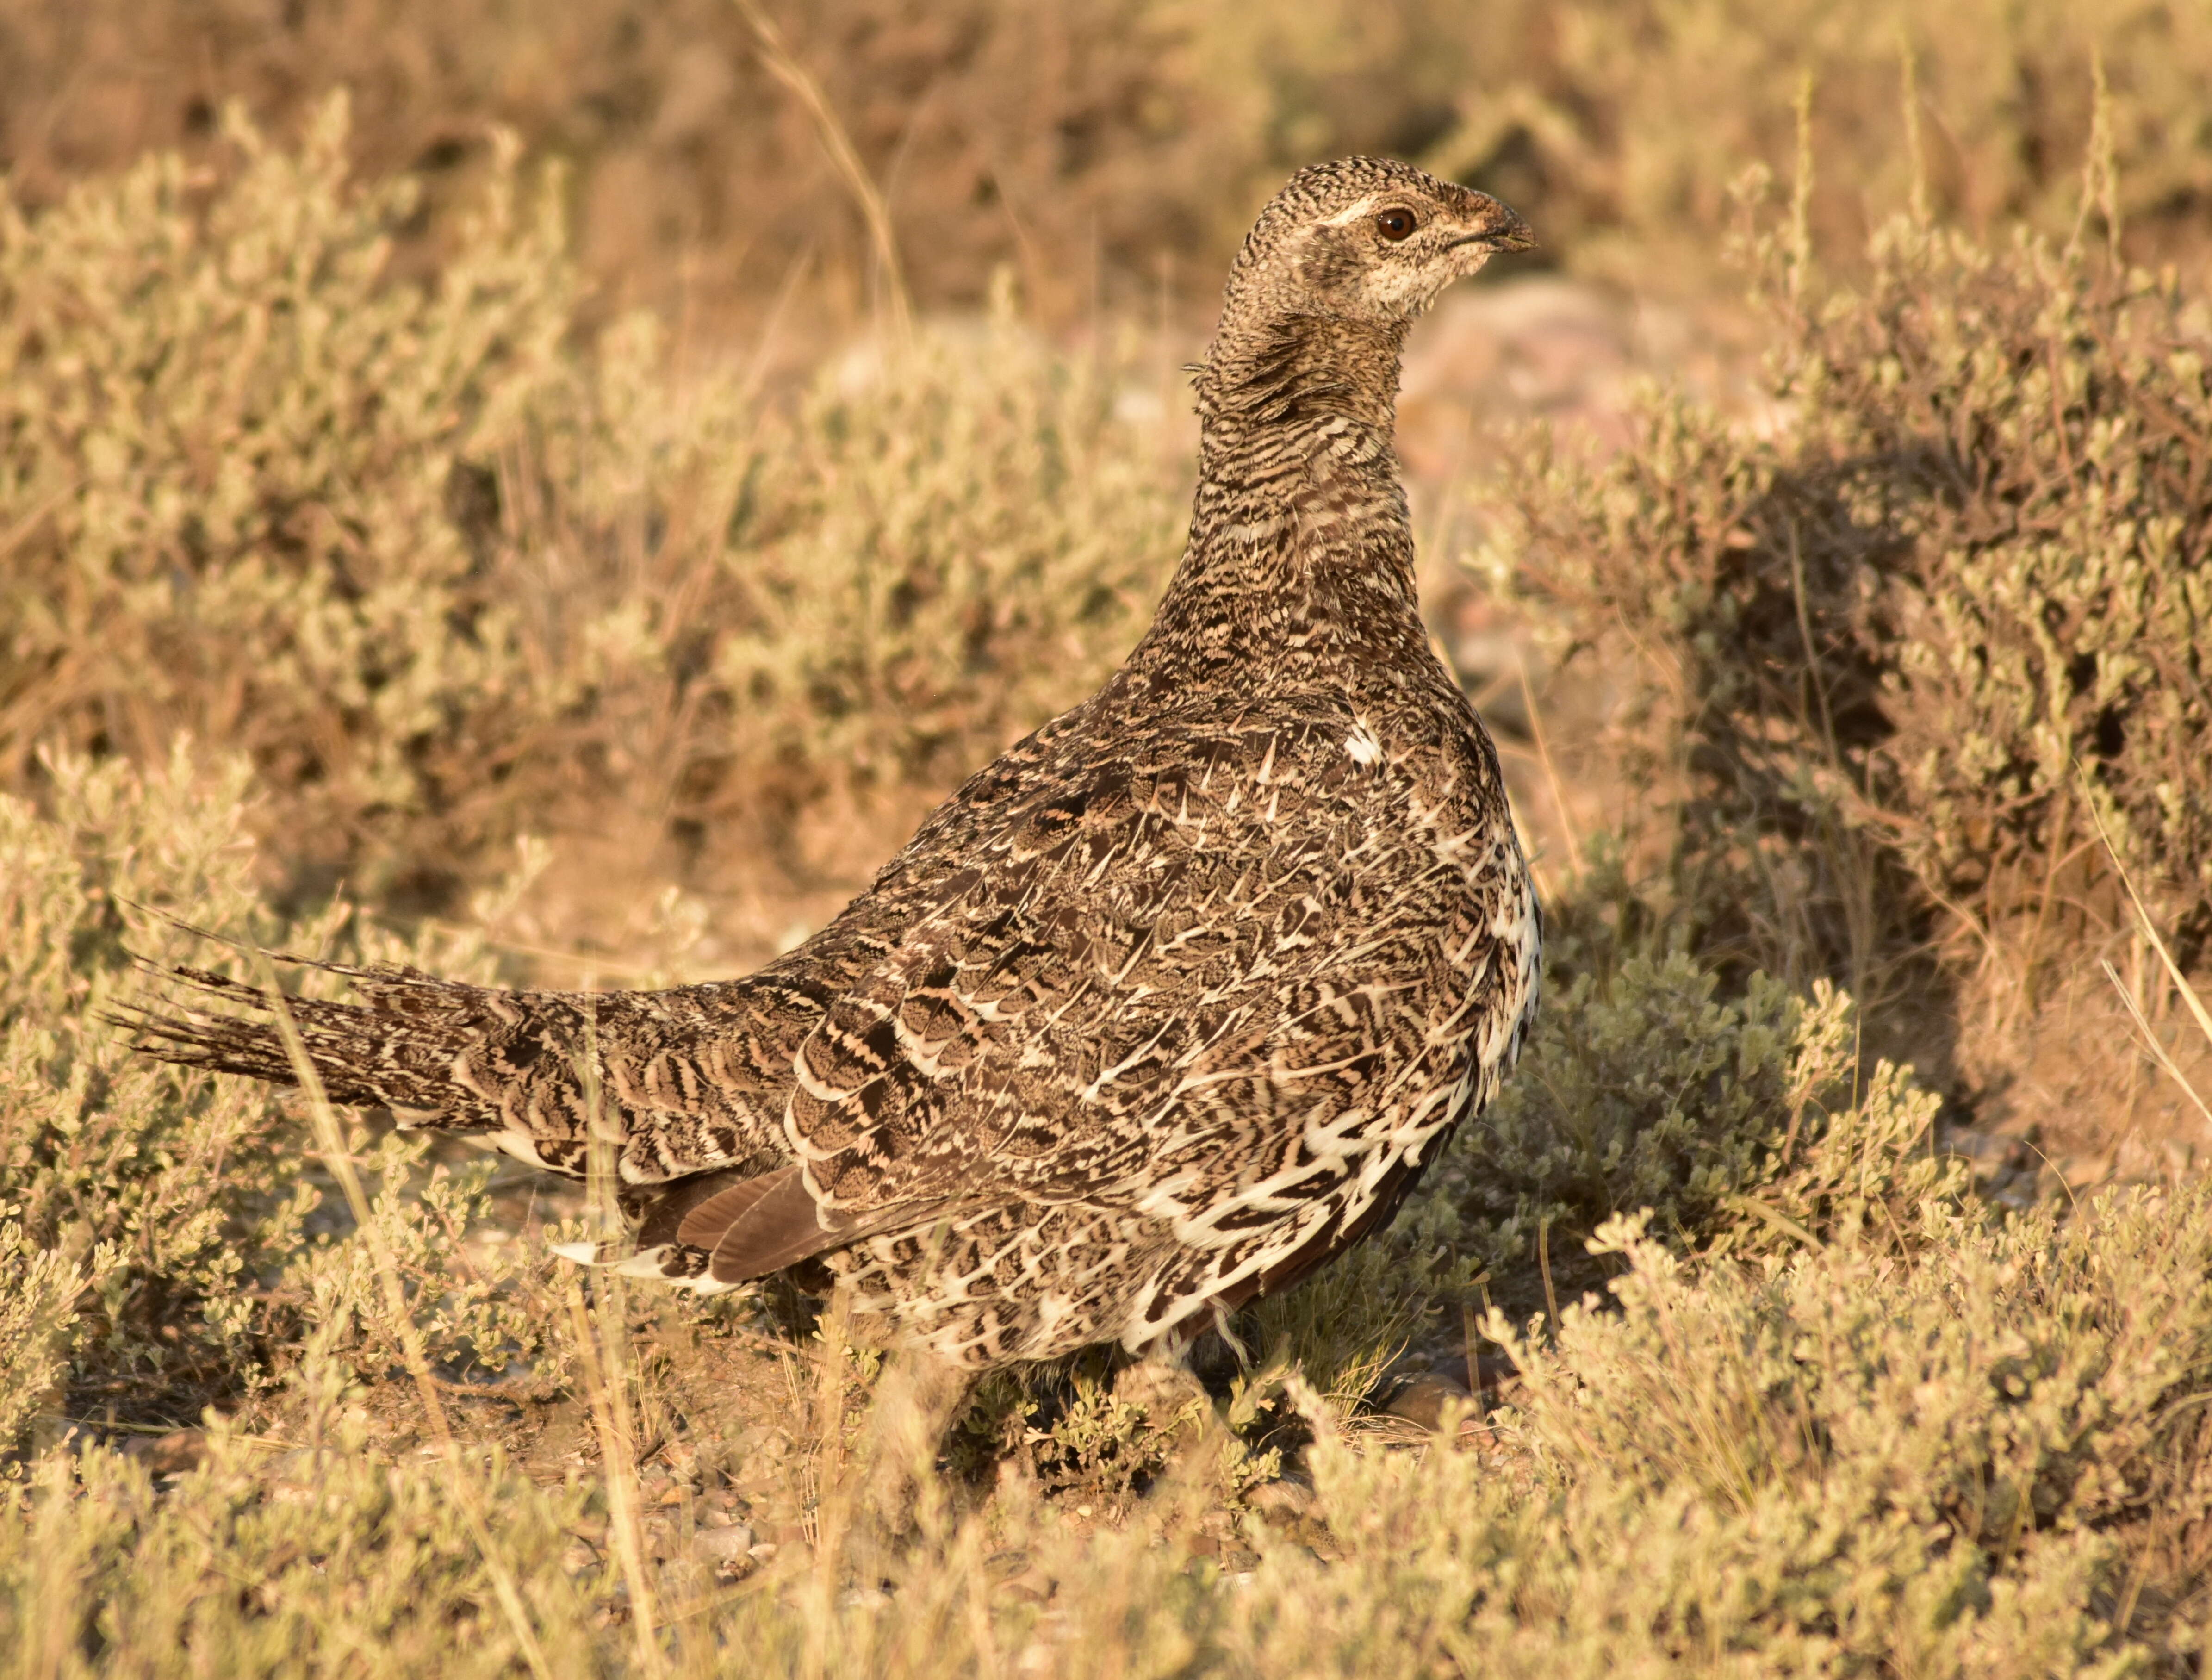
762,1225
759,1226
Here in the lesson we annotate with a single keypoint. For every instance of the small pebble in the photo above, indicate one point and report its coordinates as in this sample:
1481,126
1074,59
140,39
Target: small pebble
724,1545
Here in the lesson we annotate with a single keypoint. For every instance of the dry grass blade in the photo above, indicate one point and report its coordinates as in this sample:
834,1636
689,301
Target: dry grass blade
832,1490
1562,813
2150,1039
2188,993
617,1457
776,54
602,1339
2195,1005
467,1494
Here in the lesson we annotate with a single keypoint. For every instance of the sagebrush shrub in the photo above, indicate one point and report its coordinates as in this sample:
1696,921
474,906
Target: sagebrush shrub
177,1196
39,1289
1953,608
231,448
447,576
169,1238
1740,1124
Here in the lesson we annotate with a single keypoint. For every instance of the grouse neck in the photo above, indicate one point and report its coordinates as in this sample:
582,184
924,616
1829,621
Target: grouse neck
1300,563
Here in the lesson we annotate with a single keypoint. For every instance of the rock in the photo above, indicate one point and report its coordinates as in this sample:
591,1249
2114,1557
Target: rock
172,1454
723,1545
1422,1400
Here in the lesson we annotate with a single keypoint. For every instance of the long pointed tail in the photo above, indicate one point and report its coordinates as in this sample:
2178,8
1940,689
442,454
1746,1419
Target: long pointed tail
689,1081
435,1052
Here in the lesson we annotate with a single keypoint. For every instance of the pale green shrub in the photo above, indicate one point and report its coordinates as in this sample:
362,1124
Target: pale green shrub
181,1196
231,456
1739,1125
178,1215
1907,655
942,559
1980,1454
235,1568
447,578
40,1291
1985,1458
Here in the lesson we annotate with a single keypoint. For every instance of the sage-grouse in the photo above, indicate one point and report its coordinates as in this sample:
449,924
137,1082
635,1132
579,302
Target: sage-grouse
1162,1009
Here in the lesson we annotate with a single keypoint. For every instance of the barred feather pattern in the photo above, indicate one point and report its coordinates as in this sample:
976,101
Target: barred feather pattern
1160,1010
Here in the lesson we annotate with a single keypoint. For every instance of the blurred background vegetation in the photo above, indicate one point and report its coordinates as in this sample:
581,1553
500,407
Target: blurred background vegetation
1112,154
552,494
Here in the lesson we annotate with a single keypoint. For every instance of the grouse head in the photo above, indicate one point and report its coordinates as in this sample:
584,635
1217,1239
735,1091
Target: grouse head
1367,240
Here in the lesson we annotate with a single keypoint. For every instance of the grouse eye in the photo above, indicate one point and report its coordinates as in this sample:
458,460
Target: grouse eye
1395,224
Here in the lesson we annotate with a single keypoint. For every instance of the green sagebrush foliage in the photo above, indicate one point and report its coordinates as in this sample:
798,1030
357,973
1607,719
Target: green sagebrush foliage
229,444
1986,1456
435,569
1738,1124
1983,1456
262,1562
169,1238
960,542
170,1198
1953,608
38,1309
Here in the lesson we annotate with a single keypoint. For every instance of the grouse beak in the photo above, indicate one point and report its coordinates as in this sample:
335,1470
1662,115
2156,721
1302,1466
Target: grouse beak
1509,233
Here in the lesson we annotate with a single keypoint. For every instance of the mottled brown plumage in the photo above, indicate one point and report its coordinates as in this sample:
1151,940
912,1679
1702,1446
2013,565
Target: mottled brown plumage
1160,1010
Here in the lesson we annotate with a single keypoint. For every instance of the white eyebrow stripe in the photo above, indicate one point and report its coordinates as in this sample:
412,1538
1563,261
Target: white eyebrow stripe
1365,207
